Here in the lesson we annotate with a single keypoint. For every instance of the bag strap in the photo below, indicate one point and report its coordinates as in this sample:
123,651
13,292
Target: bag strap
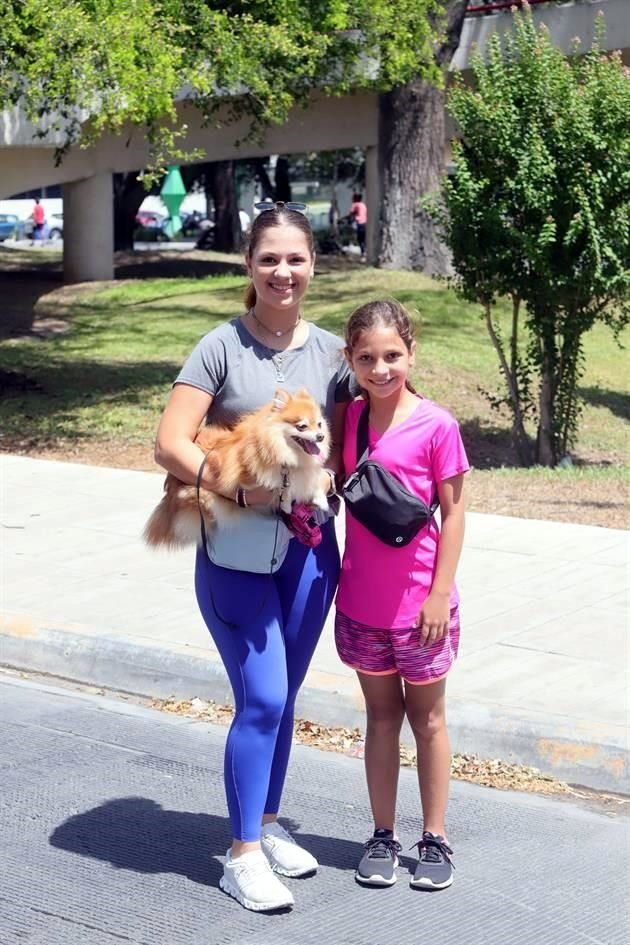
198,484
363,449
363,437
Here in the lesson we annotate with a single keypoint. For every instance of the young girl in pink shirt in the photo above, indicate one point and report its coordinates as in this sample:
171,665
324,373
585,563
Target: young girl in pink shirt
397,620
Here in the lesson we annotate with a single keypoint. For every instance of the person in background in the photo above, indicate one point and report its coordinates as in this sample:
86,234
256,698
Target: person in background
39,221
245,221
358,213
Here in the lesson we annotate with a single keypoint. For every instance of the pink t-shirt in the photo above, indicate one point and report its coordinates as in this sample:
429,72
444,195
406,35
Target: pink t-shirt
358,210
382,586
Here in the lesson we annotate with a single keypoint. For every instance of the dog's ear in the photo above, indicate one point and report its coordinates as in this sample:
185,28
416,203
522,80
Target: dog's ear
280,399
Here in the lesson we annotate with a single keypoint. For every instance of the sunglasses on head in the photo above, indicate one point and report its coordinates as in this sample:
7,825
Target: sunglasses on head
280,205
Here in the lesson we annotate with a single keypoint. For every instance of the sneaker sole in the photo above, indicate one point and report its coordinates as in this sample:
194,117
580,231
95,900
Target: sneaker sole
374,880
428,885
249,903
293,874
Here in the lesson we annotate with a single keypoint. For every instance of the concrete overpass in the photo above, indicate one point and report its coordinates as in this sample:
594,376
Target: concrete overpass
27,162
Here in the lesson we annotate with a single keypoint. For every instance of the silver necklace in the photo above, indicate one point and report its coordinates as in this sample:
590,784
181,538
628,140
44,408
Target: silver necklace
270,331
277,357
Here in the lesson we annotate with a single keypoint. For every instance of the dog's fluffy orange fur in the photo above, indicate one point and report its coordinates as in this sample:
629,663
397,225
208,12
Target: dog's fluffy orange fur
288,437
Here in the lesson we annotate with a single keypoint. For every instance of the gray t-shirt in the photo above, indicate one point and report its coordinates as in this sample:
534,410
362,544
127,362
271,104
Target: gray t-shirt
242,374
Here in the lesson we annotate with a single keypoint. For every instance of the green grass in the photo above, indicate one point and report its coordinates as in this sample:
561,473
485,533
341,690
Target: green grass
108,376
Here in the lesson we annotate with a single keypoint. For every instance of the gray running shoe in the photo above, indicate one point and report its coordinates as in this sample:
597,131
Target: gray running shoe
434,869
379,861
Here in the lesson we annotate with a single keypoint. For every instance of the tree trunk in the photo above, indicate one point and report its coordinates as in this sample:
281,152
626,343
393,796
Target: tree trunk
520,440
129,192
411,163
283,184
411,155
263,178
333,215
227,227
545,444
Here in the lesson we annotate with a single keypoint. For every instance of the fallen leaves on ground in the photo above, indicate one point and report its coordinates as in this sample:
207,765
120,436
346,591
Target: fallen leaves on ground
492,772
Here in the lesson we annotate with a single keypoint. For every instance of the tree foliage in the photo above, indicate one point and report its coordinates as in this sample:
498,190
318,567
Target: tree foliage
120,62
538,210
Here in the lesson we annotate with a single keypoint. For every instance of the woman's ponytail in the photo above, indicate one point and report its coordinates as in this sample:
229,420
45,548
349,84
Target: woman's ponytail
250,296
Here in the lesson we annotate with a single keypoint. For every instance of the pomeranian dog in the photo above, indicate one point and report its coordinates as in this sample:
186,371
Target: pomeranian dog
281,447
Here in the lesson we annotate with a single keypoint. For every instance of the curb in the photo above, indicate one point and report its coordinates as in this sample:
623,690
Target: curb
590,755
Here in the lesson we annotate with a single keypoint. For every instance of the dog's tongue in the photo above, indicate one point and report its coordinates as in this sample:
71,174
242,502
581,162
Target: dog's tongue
309,447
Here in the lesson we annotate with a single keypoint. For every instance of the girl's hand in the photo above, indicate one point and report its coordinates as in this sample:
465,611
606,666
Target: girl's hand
434,618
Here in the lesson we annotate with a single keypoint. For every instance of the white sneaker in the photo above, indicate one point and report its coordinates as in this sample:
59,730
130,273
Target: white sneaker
249,879
284,854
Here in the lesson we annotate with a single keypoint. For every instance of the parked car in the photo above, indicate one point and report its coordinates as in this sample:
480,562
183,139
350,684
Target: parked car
9,224
195,222
150,226
53,228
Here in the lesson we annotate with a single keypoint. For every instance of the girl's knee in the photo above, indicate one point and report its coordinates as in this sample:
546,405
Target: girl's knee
385,720
427,725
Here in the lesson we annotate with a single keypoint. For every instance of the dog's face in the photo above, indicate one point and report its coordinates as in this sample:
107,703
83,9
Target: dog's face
303,426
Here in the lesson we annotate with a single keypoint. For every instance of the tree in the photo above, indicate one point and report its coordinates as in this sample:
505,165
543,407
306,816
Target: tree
227,224
84,67
411,160
538,210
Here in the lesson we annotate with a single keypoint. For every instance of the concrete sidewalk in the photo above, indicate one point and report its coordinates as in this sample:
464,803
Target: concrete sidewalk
543,672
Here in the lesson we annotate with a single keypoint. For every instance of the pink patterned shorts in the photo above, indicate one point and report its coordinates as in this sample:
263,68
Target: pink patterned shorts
378,652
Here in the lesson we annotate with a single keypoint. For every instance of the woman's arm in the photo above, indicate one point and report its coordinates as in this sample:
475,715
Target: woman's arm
175,448
335,460
434,615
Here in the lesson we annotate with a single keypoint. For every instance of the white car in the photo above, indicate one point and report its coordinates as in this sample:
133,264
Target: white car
53,228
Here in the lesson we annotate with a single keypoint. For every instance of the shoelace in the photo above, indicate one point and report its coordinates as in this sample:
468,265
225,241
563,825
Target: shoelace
433,849
279,833
255,867
381,847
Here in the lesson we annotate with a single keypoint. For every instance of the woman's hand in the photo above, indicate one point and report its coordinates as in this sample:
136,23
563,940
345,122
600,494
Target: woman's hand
260,497
434,618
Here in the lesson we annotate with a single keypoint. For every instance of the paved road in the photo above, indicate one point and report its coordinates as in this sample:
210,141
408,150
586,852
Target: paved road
112,824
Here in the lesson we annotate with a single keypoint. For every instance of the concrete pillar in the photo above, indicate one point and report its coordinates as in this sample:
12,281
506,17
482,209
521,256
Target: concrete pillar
373,202
88,229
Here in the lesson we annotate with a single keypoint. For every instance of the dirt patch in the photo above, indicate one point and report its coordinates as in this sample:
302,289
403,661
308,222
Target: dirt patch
522,495
112,453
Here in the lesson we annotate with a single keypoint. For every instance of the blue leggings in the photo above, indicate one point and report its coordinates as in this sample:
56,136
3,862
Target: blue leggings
266,657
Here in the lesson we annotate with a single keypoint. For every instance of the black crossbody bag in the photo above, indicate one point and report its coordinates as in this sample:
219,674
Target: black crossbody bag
377,499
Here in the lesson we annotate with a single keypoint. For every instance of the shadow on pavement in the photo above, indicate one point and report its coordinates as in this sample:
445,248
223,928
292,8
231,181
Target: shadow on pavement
136,833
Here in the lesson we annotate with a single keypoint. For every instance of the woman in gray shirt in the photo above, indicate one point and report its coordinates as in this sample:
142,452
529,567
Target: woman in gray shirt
265,626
